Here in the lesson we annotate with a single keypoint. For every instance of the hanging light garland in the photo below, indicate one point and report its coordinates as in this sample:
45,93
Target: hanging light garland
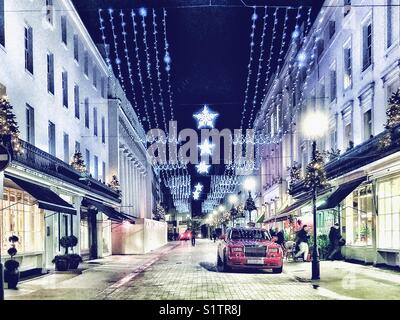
115,40
246,94
103,37
167,60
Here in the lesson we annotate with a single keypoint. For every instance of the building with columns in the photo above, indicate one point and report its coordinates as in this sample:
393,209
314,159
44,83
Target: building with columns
130,162
55,78
347,67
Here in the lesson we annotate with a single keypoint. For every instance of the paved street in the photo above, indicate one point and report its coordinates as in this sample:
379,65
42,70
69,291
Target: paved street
179,271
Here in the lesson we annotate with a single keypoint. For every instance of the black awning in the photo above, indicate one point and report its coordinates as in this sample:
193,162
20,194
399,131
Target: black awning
285,213
110,212
340,194
47,199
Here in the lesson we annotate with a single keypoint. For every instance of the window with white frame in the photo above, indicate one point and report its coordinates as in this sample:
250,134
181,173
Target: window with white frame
76,47
103,130
30,124
367,45
103,172
52,138
87,112
95,130
76,101
64,34
392,87
333,84
392,13
388,190
348,68
64,77
86,63
50,11
50,73
321,93
95,76
96,168
29,49
87,160
66,147
367,124
332,28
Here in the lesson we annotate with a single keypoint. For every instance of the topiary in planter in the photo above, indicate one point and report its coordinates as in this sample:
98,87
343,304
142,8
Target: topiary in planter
11,272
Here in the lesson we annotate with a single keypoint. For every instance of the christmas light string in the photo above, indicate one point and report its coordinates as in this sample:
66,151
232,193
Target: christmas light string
103,37
143,14
260,60
246,94
159,79
129,64
117,59
167,60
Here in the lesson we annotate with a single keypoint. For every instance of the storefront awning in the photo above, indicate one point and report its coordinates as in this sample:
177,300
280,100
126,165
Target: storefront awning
110,212
47,199
340,194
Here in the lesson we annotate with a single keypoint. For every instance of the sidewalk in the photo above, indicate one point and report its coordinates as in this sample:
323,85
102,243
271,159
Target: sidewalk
93,277
349,280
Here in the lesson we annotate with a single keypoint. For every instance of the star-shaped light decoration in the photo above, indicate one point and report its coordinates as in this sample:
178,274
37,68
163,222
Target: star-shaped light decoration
196,195
198,187
205,118
203,167
206,148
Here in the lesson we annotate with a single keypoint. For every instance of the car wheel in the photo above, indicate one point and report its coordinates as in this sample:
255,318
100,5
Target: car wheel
277,270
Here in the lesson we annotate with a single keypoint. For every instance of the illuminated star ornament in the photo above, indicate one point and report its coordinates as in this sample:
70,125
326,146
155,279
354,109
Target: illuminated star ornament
206,148
196,193
203,167
205,118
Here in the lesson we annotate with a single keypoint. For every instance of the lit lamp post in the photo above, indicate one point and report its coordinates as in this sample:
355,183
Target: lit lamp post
249,185
315,125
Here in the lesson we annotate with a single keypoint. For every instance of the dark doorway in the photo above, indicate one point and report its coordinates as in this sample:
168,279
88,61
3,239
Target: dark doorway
92,222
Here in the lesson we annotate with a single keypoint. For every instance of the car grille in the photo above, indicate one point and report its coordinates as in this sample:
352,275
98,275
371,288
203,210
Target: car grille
254,251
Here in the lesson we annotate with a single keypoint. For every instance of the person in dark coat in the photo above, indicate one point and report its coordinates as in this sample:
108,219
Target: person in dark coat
193,237
280,237
302,238
334,241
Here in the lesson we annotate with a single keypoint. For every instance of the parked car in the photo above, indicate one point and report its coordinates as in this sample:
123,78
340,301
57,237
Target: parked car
187,235
249,248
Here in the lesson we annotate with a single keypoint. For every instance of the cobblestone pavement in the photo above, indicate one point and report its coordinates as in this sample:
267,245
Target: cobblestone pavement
189,273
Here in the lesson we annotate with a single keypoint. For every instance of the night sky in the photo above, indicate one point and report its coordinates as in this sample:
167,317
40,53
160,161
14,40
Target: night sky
209,48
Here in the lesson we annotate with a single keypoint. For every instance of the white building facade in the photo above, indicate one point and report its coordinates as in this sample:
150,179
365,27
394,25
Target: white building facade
56,80
350,71
131,163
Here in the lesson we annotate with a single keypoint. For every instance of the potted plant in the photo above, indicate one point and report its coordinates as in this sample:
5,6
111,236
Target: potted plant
11,272
74,259
62,261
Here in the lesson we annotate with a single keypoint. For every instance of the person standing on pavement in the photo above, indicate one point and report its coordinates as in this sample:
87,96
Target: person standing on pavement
302,242
334,242
193,237
280,237
214,235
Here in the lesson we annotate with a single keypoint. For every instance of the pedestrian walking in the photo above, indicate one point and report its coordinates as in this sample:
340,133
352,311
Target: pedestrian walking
214,235
335,242
302,243
193,238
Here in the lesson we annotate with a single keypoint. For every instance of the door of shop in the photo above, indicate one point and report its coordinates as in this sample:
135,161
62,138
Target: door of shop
92,222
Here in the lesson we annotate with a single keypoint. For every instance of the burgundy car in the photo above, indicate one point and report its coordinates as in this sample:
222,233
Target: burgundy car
249,248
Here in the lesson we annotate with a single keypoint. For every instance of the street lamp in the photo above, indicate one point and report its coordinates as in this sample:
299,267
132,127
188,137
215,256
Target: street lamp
315,125
249,185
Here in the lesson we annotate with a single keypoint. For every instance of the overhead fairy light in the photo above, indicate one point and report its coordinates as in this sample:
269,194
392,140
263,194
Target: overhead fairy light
167,60
202,167
206,148
205,118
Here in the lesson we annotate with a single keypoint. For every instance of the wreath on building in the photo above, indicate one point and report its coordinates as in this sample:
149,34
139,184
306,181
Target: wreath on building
115,185
9,126
159,212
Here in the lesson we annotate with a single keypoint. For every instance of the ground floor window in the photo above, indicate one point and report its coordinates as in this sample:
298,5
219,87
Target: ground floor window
20,216
358,209
388,213
106,236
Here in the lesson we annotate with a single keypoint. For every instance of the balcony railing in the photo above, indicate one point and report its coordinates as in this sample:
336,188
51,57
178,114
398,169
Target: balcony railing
33,157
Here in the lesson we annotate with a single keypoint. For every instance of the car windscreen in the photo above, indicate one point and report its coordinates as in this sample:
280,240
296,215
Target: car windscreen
249,234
